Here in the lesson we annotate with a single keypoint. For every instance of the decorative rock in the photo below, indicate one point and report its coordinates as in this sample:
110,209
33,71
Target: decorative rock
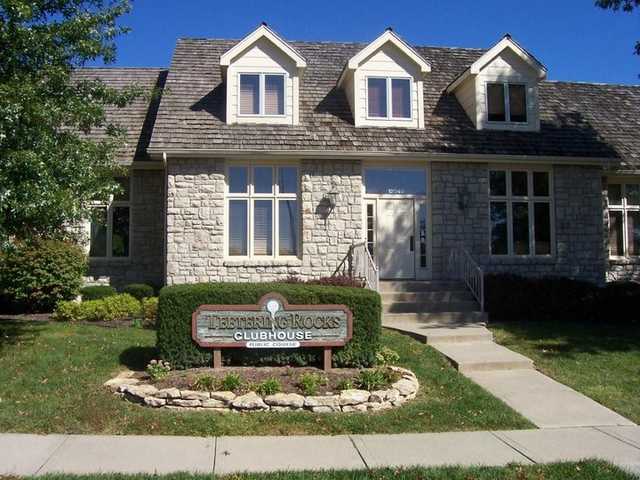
249,401
392,395
354,408
378,396
168,393
140,391
116,383
179,402
403,371
323,409
405,387
285,400
277,408
353,397
213,403
321,401
155,402
194,395
224,396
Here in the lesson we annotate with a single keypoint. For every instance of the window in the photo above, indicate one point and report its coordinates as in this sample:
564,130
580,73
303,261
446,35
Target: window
110,226
262,206
395,181
389,98
520,212
261,94
506,102
624,219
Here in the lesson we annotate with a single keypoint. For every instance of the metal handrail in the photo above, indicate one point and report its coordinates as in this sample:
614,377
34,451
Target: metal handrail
463,267
358,263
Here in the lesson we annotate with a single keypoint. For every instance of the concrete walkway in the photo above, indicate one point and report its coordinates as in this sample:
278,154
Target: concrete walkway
23,454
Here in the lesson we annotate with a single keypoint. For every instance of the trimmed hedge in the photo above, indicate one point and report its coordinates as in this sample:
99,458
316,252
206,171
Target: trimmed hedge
139,290
515,298
177,303
96,292
107,309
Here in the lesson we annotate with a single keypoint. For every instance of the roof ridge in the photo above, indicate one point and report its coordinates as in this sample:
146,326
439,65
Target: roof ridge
600,84
105,67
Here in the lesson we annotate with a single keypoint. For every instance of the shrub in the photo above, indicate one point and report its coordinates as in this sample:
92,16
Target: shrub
310,382
345,384
158,369
96,292
387,356
374,379
335,281
231,382
618,301
177,303
35,276
139,290
118,307
205,383
269,387
149,311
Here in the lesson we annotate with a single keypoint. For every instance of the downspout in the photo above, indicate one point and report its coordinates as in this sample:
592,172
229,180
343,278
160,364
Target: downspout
164,217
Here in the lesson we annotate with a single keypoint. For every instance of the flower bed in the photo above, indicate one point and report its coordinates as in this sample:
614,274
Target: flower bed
140,388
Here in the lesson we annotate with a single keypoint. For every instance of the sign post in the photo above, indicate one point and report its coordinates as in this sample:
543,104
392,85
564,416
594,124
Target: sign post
272,323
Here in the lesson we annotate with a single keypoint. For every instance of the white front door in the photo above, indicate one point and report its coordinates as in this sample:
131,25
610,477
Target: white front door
395,238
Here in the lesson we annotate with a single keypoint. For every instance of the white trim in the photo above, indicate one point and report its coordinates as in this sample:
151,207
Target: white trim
388,82
261,94
226,59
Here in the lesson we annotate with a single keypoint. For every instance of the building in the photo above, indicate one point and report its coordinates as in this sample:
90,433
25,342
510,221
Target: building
264,159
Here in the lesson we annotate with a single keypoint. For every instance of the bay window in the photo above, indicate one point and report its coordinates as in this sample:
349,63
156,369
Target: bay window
520,211
110,226
261,94
389,98
624,219
262,211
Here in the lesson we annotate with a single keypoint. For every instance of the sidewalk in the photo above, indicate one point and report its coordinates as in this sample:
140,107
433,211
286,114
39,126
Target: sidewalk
23,454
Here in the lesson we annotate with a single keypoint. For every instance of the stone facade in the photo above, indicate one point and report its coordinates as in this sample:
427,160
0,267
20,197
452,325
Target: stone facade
196,227
146,261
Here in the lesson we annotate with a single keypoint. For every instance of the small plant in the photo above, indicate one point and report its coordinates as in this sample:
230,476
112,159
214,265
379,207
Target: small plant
387,356
96,292
309,383
158,369
205,383
375,379
149,311
136,323
231,382
138,290
269,387
345,384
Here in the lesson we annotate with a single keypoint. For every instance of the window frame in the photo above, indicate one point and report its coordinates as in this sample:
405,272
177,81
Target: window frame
249,196
110,206
624,208
261,94
388,79
509,199
507,103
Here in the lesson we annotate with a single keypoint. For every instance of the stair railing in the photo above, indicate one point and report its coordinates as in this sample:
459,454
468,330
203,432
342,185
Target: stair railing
462,266
358,263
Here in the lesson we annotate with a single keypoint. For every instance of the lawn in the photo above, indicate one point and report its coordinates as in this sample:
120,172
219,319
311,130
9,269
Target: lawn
586,470
602,361
51,376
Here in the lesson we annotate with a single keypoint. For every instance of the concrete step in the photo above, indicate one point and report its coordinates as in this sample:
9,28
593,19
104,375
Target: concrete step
465,333
438,319
442,296
400,286
429,307
470,357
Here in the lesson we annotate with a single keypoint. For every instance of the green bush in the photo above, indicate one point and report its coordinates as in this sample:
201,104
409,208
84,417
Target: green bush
618,301
118,307
231,382
96,292
376,379
270,386
139,290
149,311
177,303
36,276
310,382
205,383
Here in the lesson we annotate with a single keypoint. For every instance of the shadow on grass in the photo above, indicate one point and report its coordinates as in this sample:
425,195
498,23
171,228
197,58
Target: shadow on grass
13,332
137,358
565,339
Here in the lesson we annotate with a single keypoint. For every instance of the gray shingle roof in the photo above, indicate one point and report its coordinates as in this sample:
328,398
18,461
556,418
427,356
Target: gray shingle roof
136,118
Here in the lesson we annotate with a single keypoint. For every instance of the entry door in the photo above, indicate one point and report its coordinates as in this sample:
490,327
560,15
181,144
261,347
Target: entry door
395,238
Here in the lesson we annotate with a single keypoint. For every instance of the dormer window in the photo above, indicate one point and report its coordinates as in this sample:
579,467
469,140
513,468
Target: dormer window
261,94
389,95
506,102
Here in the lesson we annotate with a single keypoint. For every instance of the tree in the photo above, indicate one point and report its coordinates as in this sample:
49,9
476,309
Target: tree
50,172
625,6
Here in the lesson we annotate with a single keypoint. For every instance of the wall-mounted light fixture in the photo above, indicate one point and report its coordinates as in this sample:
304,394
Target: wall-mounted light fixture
331,200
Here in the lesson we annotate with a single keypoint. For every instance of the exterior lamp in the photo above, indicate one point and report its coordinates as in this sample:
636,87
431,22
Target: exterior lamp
331,199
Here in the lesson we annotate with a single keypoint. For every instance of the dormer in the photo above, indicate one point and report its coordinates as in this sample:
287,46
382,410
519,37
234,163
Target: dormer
499,91
384,84
262,74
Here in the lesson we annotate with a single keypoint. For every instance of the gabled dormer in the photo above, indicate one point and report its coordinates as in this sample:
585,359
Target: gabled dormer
499,91
262,74
384,84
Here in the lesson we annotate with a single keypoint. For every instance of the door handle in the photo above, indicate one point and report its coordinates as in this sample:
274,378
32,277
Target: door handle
411,242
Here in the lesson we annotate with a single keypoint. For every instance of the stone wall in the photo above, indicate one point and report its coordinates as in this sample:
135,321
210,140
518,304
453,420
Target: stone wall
578,222
146,262
195,223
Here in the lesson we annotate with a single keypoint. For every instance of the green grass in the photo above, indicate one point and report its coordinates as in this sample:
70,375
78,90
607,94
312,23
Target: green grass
602,361
52,374
586,470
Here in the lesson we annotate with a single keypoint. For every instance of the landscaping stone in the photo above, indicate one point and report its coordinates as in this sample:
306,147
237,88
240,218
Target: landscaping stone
168,393
224,396
353,397
194,395
405,387
250,401
355,408
179,402
155,402
116,383
140,391
321,401
213,403
285,400
323,409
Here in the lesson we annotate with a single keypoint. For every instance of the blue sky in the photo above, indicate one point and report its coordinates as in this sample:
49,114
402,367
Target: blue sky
573,38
